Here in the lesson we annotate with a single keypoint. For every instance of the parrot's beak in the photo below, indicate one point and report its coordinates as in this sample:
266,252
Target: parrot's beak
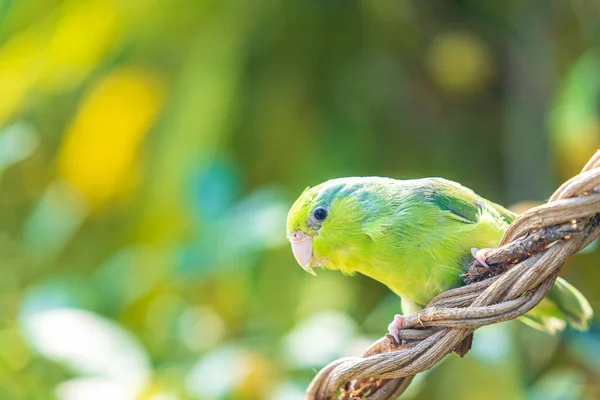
302,249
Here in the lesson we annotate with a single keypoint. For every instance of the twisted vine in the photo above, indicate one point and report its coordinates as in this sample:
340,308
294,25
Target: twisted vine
523,269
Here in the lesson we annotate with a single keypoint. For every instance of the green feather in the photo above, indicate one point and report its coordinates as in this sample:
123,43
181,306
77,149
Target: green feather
415,237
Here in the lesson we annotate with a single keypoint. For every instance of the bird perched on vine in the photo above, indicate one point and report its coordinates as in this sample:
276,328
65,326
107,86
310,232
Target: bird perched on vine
416,237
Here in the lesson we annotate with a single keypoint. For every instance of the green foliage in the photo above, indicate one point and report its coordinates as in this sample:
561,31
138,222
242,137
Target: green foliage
149,151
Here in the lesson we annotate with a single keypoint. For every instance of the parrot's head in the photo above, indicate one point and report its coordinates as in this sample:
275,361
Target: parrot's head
325,224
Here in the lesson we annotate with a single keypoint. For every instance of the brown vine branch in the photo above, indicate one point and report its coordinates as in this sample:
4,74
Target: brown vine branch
523,269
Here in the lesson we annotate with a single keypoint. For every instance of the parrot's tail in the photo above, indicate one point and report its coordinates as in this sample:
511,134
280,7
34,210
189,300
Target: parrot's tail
563,304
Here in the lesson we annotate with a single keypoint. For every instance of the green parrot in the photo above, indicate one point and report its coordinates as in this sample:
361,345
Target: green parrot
416,237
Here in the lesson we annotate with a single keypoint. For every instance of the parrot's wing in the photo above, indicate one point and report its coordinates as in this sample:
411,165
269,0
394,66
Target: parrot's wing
563,304
507,215
575,307
465,204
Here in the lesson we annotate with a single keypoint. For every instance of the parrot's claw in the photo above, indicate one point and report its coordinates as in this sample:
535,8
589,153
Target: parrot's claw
480,255
395,326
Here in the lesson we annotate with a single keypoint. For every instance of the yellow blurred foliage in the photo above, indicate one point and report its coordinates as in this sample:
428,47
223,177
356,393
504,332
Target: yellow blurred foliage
258,380
17,355
459,62
99,151
84,33
57,52
19,70
573,147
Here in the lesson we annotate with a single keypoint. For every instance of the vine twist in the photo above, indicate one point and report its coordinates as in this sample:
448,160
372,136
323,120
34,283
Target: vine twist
523,269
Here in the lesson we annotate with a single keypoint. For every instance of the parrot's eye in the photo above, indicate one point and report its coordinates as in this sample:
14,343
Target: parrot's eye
320,213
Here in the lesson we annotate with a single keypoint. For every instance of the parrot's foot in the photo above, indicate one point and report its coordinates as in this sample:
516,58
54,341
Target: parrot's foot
480,255
395,326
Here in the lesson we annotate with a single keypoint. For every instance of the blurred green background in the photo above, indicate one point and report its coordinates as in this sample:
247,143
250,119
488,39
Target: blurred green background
149,151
